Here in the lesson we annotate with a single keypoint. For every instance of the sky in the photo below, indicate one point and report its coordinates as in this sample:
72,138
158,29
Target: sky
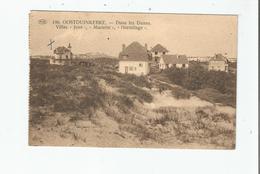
193,35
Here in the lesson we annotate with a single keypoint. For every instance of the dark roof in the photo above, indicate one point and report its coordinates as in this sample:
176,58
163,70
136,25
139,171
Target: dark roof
134,52
61,50
159,48
218,57
175,59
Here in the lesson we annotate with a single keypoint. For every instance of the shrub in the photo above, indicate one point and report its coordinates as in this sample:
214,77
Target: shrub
201,114
197,77
141,94
215,96
181,93
65,105
140,81
177,92
218,117
125,101
124,118
176,75
162,120
164,86
142,132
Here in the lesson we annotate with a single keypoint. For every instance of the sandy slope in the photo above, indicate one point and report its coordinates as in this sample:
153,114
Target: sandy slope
105,131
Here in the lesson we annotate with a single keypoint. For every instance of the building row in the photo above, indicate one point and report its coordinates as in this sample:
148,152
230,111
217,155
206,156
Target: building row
138,59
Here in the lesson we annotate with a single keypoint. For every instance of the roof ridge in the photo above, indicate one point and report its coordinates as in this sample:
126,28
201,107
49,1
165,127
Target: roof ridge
134,51
159,48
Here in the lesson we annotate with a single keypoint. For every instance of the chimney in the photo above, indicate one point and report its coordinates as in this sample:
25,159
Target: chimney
123,47
146,47
69,47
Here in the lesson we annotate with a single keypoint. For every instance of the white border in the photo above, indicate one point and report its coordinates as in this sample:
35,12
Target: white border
17,157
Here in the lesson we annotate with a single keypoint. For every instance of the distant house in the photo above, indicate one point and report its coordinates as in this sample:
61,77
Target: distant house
178,61
80,56
62,56
134,59
199,59
218,63
157,52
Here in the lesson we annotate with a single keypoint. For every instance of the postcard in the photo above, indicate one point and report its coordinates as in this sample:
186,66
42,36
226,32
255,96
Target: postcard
139,80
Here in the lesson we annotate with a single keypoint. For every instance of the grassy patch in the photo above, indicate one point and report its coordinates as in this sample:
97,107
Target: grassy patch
215,96
217,85
141,94
181,93
177,92
141,131
140,81
205,126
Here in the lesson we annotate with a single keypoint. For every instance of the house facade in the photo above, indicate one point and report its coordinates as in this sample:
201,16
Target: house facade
158,51
134,59
178,61
62,56
134,67
218,63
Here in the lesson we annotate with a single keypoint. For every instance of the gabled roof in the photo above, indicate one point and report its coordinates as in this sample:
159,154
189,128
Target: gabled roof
218,57
61,50
175,59
134,52
159,48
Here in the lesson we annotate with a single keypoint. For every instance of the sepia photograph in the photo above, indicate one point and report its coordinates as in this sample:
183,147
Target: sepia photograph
132,80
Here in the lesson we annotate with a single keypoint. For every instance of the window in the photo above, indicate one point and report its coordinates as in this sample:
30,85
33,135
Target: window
226,68
183,65
163,53
156,53
140,65
131,68
67,56
135,68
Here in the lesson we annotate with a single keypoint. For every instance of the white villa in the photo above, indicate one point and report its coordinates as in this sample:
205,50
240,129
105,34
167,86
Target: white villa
62,56
134,59
157,52
178,61
218,63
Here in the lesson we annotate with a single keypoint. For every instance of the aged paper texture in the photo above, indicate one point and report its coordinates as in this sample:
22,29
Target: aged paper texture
132,80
